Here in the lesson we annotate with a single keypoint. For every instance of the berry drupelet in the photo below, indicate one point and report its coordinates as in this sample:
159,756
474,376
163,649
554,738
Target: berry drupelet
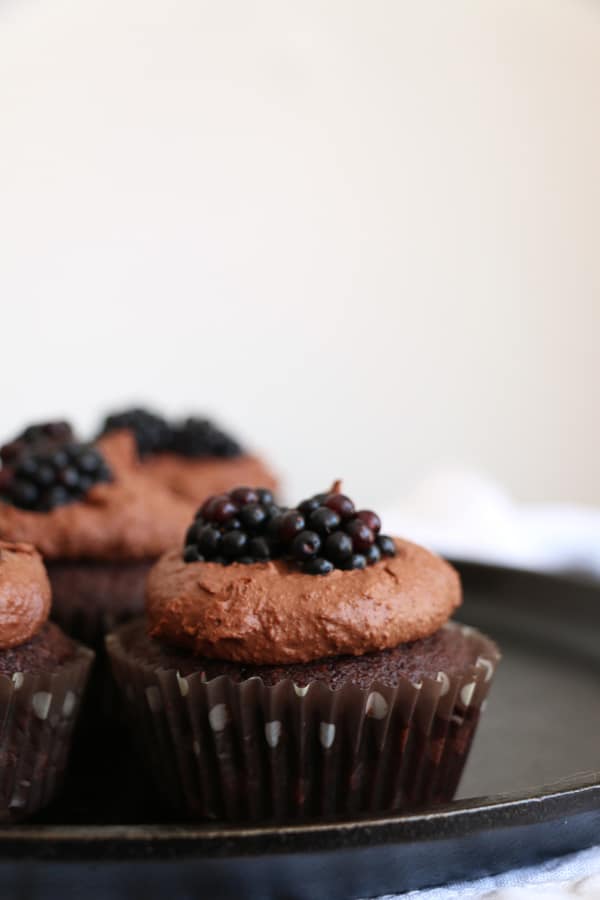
152,432
42,480
35,437
323,533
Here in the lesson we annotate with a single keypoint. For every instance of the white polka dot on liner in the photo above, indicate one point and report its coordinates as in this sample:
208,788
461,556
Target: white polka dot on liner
483,663
377,706
466,693
444,681
40,702
184,687
218,717
69,703
273,733
327,734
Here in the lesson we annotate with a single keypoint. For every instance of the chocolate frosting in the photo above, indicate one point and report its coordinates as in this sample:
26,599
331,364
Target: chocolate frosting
131,517
270,613
24,594
197,479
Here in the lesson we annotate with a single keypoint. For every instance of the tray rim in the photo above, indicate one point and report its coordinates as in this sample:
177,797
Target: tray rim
583,792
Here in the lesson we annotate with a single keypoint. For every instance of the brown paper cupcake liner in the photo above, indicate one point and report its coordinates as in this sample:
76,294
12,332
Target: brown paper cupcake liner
250,752
37,716
89,599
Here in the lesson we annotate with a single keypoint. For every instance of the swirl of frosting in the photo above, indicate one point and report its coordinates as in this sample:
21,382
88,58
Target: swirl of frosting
24,594
131,517
269,613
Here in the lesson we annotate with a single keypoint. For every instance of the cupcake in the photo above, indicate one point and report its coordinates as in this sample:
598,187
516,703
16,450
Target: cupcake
193,458
42,677
98,522
298,663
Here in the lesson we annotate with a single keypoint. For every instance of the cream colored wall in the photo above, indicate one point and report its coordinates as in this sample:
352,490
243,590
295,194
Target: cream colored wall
366,234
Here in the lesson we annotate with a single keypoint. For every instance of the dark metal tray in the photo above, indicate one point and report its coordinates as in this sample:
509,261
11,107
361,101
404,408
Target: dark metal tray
531,788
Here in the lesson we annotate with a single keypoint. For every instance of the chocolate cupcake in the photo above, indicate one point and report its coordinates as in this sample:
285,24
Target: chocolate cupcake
97,521
297,663
193,458
42,677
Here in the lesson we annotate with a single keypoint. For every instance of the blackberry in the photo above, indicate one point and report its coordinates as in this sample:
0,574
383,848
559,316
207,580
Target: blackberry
152,432
40,436
234,527
323,533
200,437
327,532
43,480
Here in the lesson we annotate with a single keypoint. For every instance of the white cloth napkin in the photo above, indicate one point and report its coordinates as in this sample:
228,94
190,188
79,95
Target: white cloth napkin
468,516
575,875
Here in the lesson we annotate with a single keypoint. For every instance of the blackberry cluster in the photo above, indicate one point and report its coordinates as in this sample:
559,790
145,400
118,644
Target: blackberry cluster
44,479
233,527
326,532
200,437
323,533
40,435
152,433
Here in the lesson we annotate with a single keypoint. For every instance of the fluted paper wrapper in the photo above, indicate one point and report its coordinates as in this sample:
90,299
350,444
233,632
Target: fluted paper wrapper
89,599
38,713
250,752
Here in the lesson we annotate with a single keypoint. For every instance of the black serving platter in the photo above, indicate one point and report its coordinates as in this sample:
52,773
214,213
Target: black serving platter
531,788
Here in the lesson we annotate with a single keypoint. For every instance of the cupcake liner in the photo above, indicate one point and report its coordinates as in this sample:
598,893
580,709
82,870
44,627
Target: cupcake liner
89,599
250,752
37,716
